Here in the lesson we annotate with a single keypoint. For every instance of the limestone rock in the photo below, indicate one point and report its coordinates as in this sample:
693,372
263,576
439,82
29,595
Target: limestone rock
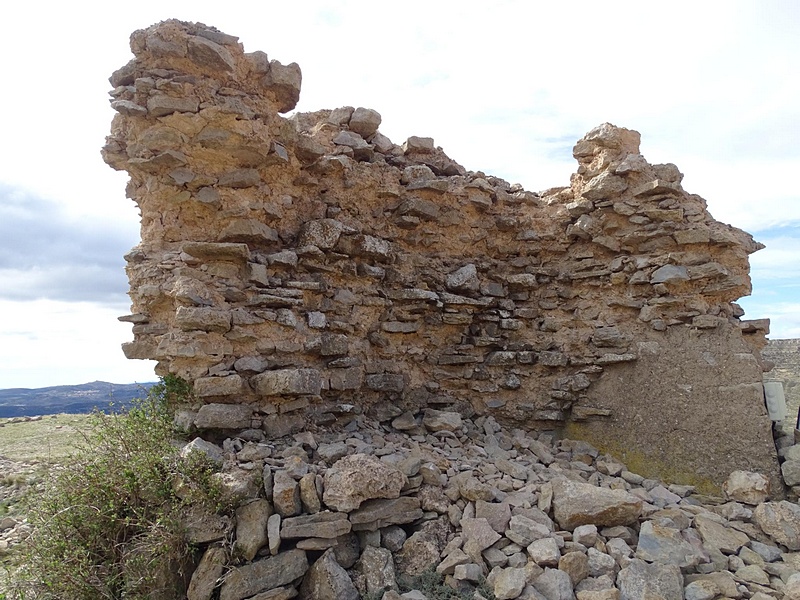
577,504
359,477
665,545
206,575
265,574
377,566
780,521
327,580
745,486
251,527
555,585
641,581
319,525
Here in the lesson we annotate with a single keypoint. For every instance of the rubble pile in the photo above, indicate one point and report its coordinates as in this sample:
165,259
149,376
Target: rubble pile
345,515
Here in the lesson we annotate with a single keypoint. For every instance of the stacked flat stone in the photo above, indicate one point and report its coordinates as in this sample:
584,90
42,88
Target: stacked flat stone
328,515
291,266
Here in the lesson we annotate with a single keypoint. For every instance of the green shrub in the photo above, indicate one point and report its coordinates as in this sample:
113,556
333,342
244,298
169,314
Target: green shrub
433,585
108,524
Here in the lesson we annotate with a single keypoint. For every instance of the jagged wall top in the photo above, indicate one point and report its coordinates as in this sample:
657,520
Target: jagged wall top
295,267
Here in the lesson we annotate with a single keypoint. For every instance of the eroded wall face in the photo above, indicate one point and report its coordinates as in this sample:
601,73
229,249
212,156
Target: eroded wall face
297,266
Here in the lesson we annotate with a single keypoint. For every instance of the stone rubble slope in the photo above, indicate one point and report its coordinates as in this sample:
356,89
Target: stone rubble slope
344,514
290,265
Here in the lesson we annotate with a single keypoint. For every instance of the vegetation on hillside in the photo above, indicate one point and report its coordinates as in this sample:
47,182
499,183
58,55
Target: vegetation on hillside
107,525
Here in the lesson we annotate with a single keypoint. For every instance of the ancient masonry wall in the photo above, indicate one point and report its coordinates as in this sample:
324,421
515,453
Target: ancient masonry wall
300,270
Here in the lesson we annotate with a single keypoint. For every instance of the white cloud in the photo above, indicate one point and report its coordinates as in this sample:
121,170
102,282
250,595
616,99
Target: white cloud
60,343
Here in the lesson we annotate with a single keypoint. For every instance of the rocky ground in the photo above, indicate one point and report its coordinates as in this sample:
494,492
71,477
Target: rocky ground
523,515
28,445
368,510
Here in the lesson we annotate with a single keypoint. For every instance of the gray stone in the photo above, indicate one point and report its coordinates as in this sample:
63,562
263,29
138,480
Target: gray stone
247,230
468,572
577,504
377,567
642,581
767,552
603,186
286,494
554,585
393,538
464,279
472,489
309,494
323,233
224,416
524,531
278,593
128,108
359,477
205,576
420,552
230,385
509,583
791,472
288,382
251,527
327,580
716,535
669,274
265,574
702,589
753,574
375,514
320,525
284,82
203,526
585,534
274,533
365,121
437,420
237,485
576,565
455,558
161,106
386,382
544,552
747,487
498,514
666,546
207,53
210,451
600,563
420,145
478,534
330,453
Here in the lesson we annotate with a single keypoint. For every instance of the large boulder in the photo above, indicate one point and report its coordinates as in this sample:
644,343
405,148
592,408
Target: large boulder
748,487
359,477
576,504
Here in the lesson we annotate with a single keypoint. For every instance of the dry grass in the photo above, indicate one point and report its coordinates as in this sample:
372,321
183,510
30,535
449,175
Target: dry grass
52,439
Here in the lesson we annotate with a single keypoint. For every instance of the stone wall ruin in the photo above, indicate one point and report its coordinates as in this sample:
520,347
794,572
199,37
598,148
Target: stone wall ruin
304,269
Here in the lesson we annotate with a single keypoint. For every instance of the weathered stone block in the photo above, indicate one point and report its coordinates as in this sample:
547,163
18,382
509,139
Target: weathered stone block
224,416
288,382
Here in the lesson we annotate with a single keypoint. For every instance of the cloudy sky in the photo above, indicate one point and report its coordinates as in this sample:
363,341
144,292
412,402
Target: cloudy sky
505,87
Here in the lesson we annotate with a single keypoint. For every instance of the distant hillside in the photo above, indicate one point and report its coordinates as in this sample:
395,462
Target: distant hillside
72,399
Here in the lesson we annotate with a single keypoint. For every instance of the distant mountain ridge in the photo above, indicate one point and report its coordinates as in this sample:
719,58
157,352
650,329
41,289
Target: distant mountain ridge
72,399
